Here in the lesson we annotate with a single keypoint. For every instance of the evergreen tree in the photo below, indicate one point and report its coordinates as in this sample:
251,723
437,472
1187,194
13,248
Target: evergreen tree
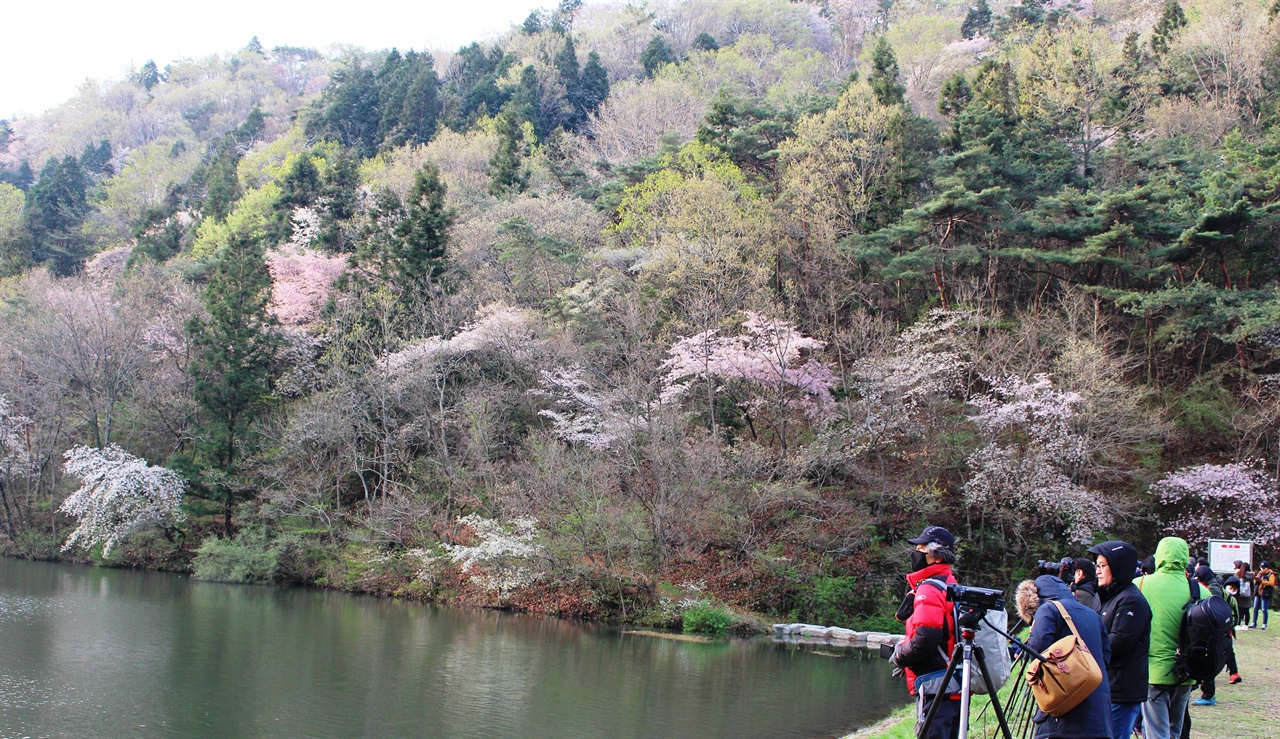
593,88
884,78
347,111
338,201
977,21
656,55
149,76
955,95
222,182
415,256
96,160
56,207
706,42
235,345
507,173
1172,21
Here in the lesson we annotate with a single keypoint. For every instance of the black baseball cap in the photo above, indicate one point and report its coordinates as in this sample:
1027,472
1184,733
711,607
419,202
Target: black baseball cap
934,533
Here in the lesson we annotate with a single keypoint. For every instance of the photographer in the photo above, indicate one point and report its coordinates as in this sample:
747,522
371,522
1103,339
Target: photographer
1127,619
1092,718
930,629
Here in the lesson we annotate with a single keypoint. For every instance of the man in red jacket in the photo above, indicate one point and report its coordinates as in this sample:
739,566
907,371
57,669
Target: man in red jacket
930,628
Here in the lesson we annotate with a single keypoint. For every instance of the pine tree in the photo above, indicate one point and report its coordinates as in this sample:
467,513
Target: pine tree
1171,23
977,21
656,55
416,254
594,85
149,76
507,174
56,207
884,76
706,42
235,346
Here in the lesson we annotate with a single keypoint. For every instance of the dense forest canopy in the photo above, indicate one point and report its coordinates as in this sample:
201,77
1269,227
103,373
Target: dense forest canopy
658,303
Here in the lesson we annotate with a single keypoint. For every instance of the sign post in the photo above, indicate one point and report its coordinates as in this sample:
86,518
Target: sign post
1223,554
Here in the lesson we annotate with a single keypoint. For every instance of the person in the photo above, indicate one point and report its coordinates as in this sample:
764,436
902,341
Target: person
1264,586
1085,587
1166,592
1091,719
1244,572
930,630
1127,620
1209,688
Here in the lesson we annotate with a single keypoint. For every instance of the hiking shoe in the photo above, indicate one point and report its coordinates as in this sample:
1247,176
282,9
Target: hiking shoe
1264,627
1235,678
1205,701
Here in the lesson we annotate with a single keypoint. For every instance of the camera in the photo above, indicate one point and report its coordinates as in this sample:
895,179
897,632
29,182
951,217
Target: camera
972,597
1064,568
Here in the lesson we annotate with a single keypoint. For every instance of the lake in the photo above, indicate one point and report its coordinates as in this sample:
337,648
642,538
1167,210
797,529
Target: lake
92,652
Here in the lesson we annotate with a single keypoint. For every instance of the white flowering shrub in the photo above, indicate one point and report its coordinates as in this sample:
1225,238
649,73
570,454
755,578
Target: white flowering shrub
501,560
1220,501
119,493
1029,453
581,413
15,460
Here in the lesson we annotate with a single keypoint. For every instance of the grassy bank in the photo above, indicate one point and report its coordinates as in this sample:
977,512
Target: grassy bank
1244,711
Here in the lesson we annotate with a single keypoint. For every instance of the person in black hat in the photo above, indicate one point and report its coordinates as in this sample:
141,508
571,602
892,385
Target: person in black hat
930,629
1126,615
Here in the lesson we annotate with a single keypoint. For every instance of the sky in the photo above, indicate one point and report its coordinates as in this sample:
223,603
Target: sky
48,48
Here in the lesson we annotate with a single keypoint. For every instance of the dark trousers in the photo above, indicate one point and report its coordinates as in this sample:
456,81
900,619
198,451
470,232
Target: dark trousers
1209,687
946,725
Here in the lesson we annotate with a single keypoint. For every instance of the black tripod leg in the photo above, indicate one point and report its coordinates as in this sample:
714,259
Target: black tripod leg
995,699
936,703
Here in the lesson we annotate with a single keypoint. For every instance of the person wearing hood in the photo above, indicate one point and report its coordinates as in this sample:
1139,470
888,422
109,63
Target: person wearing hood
1092,718
930,629
1166,591
1127,619
1209,688
1085,585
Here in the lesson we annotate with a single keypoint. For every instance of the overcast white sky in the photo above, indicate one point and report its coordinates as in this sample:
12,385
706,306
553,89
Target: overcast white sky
49,47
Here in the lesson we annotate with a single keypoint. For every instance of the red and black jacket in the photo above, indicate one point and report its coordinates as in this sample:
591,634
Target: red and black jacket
931,633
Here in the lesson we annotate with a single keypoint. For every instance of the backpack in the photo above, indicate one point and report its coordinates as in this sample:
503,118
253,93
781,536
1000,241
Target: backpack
995,650
1204,638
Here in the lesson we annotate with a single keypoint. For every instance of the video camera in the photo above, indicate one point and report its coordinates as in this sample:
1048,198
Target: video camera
973,597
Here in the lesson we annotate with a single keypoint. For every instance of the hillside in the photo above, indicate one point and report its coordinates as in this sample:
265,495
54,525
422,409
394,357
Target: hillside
655,307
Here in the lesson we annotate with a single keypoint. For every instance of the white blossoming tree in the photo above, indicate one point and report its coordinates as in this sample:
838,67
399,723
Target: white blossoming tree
15,459
119,494
501,558
1220,501
1029,453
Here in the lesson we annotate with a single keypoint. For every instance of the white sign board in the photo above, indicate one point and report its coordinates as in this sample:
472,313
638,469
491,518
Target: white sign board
1223,554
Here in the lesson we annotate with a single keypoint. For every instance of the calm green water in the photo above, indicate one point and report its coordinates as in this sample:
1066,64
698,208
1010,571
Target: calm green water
87,652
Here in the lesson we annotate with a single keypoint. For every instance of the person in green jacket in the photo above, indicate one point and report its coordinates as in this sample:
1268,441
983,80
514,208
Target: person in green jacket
1166,591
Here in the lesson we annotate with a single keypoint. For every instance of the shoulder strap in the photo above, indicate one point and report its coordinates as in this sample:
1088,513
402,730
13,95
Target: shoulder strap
1194,586
1070,623
935,583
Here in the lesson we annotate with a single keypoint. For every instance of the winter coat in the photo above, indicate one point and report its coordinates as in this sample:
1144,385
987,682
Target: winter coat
930,629
1166,592
1086,591
1127,619
1092,718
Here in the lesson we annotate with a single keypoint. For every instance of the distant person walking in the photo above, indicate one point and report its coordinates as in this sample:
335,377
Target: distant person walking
1244,573
1264,587
1166,591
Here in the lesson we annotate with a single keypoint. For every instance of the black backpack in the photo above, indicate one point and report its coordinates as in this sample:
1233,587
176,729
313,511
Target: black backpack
1204,638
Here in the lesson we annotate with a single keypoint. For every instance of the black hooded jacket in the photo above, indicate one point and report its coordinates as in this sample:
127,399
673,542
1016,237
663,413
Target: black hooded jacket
1127,618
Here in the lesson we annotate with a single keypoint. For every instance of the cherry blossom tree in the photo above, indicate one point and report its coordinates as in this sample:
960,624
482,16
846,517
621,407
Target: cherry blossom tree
15,458
582,413
1024,468
770,356
1220,501
500,560
300,283
120,493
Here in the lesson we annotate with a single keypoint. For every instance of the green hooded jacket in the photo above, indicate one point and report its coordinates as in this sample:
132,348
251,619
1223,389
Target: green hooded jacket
1166,592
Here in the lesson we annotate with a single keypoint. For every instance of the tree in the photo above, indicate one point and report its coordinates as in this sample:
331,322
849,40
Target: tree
1172,21
119,494
656,55
149,76
885,78
56,207
235,345
1212,501
15,461
507,173
977,21
706,42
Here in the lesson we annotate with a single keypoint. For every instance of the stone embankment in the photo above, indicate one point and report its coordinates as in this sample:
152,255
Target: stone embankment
833,635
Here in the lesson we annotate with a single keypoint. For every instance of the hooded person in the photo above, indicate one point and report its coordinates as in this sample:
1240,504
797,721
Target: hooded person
1209,688
930,630
1085,586
1166,591
1092,718
1127,619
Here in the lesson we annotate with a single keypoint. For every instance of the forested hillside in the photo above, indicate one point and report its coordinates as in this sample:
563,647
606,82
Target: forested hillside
657,306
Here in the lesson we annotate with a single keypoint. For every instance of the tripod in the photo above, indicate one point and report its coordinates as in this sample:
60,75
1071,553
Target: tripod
965,652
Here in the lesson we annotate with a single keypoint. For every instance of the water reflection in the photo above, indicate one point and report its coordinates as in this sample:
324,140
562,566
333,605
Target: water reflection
87,651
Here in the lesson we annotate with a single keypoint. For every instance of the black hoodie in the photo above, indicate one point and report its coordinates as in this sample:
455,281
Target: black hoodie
1127,618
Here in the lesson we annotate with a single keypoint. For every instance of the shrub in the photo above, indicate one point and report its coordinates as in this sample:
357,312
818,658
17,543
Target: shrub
704,618
242,559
